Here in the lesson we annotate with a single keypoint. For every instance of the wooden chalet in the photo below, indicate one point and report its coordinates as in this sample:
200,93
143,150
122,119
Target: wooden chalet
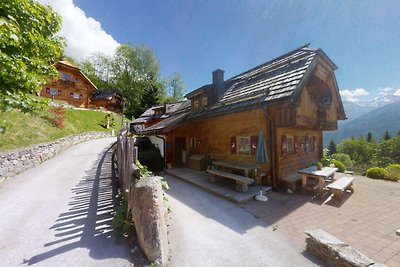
110,100
71,86
292,98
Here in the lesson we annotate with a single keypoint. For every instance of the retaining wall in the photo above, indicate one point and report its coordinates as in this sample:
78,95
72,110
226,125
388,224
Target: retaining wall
20,160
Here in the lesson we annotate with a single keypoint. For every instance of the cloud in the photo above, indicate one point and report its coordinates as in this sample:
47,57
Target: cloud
352,95
84,35
385,90
397,93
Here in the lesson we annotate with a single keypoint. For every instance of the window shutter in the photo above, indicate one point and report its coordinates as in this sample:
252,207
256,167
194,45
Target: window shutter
296,144
314,143
233,145
253,144
283,145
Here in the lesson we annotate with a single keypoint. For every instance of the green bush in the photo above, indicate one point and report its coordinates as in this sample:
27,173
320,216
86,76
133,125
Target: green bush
344,158
393,172
152,159
376,173
339,165
325,162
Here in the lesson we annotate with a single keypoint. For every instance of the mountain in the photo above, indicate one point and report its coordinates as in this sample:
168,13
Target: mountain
358,108
386,117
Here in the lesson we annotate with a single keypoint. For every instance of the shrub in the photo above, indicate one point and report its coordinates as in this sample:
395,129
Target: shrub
376,173
344,158
143,143
325,162
152,159
339,165
393,172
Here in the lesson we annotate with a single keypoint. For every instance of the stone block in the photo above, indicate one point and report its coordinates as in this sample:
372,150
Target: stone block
148,213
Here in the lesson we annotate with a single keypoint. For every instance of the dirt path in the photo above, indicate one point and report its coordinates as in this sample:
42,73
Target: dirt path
58,214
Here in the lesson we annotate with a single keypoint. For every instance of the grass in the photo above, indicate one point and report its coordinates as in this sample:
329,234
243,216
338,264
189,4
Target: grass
25,129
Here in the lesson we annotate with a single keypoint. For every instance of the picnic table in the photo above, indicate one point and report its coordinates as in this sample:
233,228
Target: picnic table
224,168
312,173
247,168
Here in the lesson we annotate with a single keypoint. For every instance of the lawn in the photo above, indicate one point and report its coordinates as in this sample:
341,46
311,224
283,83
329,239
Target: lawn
23,130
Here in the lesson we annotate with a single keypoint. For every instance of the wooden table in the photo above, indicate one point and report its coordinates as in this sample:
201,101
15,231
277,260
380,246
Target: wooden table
319,175
247,168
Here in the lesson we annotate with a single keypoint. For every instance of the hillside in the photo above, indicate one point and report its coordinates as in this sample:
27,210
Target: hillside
377,121
24,129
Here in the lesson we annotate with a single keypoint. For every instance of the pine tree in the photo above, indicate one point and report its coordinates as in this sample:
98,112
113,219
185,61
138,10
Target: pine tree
369,137
386,135
331,148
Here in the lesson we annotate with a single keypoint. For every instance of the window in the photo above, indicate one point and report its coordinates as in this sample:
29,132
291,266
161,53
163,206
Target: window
288,144
204,102
75,96
53,91
310,143
196,104
66,76
244,144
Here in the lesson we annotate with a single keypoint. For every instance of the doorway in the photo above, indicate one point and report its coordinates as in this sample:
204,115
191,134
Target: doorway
180,151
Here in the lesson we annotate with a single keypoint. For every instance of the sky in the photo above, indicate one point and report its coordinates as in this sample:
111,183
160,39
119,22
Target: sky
193,38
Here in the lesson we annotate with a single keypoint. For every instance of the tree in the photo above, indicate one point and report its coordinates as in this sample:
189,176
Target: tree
331,148
175,88
369,137
359,150
133,71
28,45
386,135
387,152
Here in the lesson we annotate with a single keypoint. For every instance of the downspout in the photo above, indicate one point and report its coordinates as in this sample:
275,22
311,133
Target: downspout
273,155
272,138
165,150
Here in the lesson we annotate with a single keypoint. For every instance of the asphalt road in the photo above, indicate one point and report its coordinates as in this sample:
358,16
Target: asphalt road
206,230
58,214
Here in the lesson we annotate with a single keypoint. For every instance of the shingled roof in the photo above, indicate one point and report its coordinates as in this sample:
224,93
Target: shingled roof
280,79
273,81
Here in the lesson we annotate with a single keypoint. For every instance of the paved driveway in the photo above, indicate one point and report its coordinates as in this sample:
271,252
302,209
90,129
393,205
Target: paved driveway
58,214
206,230
366,220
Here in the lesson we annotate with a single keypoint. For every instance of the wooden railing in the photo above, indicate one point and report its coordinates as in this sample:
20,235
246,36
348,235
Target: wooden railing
126,158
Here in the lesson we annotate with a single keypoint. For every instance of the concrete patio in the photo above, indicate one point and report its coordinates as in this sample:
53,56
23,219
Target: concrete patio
366,220
224,188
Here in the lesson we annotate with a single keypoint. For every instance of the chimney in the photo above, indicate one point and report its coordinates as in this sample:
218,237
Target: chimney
218,83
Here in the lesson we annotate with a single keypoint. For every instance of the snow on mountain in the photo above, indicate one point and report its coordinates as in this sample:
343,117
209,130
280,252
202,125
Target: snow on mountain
358,108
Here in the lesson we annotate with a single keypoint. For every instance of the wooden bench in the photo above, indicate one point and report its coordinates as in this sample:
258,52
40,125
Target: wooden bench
291,180
339,186
242,182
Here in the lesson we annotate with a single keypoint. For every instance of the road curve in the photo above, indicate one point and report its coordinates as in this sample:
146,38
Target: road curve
206,230
58,213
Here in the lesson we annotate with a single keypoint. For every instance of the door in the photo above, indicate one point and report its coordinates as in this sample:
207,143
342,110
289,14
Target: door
180,151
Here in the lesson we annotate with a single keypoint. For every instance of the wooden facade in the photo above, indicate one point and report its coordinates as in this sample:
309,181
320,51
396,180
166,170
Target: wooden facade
110,100
292,99
71,86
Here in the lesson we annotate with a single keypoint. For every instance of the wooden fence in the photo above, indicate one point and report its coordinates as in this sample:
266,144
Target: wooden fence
126,158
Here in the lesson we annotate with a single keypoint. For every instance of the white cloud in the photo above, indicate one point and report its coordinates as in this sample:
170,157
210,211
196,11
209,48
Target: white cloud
385,91
84,35
397,93
352,95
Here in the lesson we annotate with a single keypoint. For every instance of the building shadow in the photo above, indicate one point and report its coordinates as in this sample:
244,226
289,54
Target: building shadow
87,221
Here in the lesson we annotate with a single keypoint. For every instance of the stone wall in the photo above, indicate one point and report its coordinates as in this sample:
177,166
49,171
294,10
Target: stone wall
334,252
20,160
